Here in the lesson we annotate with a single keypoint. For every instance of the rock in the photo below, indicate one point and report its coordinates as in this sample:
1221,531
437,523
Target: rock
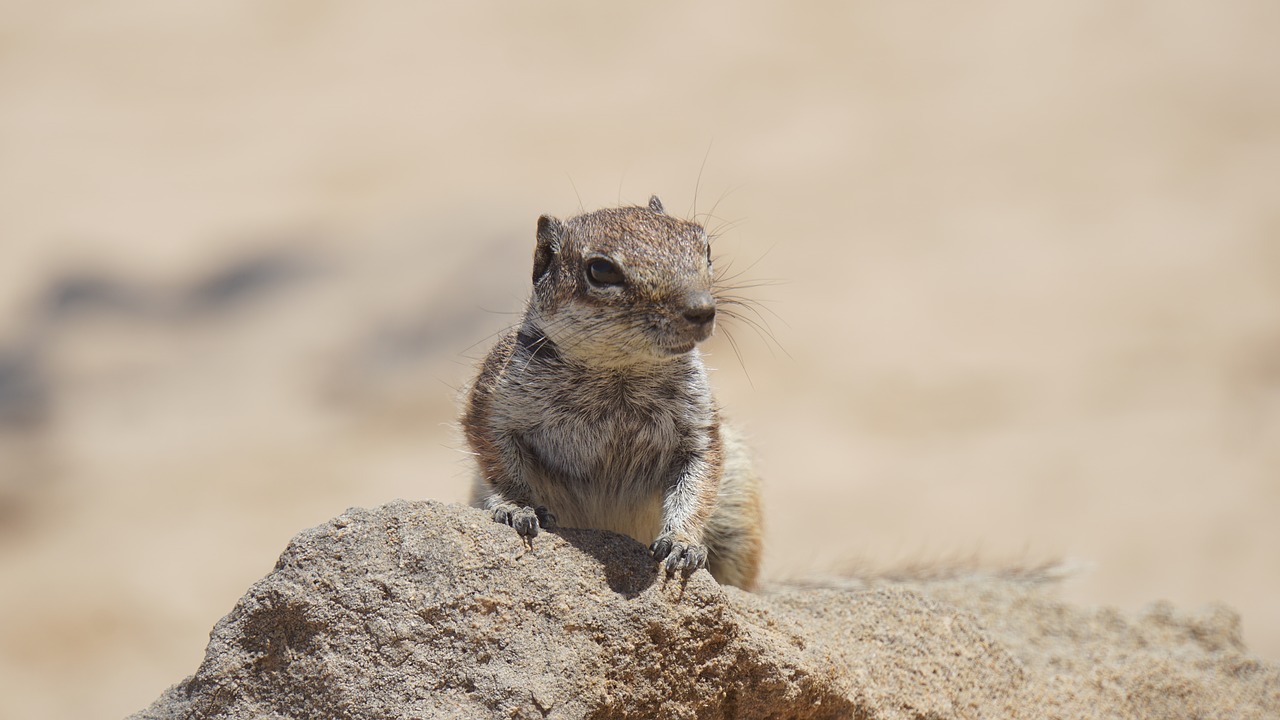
420,609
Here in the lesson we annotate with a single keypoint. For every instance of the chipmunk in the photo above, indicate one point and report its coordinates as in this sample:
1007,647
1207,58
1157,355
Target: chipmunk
596,412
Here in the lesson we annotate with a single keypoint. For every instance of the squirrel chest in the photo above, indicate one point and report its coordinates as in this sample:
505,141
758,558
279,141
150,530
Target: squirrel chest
594,437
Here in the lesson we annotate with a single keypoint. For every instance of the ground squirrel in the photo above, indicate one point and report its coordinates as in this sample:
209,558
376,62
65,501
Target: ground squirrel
596,411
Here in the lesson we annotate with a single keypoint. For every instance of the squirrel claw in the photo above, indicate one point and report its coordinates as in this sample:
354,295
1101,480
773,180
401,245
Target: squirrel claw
679,555
523,519
545,518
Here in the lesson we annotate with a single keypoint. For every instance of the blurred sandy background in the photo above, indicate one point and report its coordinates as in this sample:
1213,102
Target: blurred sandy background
1029,259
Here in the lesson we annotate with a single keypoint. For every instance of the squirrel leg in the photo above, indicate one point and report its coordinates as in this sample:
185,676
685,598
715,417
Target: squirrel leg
684,514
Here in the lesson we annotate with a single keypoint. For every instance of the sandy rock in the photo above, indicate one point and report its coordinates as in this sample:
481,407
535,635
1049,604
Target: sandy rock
417,610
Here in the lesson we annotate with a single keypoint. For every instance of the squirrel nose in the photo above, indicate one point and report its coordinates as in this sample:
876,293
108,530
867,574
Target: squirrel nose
701,309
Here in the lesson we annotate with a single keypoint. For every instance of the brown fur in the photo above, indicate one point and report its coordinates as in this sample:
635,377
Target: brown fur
596,412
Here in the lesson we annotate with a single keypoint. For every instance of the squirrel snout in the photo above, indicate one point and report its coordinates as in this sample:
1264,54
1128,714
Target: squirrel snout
701,309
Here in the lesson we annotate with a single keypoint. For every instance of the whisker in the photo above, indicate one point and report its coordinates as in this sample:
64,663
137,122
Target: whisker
741,363
755,306
751,285
762,329
747,268
573,185
724,228
486,338
697,184
711,214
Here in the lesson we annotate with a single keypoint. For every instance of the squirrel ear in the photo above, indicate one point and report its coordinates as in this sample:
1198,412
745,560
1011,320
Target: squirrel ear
656,205
550,230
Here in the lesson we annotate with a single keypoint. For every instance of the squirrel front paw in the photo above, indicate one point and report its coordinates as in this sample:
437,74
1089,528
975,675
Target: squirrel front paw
679,554
525,520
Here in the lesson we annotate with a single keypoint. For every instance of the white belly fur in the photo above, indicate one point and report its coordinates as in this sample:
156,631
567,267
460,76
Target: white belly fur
638,517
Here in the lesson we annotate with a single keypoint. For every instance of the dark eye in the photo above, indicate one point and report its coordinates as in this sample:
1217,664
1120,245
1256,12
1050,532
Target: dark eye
708,254
603,272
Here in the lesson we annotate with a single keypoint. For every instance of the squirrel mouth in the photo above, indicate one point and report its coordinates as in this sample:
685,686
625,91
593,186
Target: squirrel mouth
679,349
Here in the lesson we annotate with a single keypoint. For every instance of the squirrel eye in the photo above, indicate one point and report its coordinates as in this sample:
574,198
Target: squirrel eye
603,272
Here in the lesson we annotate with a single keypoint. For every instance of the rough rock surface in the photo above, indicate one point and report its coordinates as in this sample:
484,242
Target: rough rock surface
420,609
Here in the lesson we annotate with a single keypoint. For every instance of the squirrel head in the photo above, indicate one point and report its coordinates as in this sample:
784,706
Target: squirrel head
623,286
